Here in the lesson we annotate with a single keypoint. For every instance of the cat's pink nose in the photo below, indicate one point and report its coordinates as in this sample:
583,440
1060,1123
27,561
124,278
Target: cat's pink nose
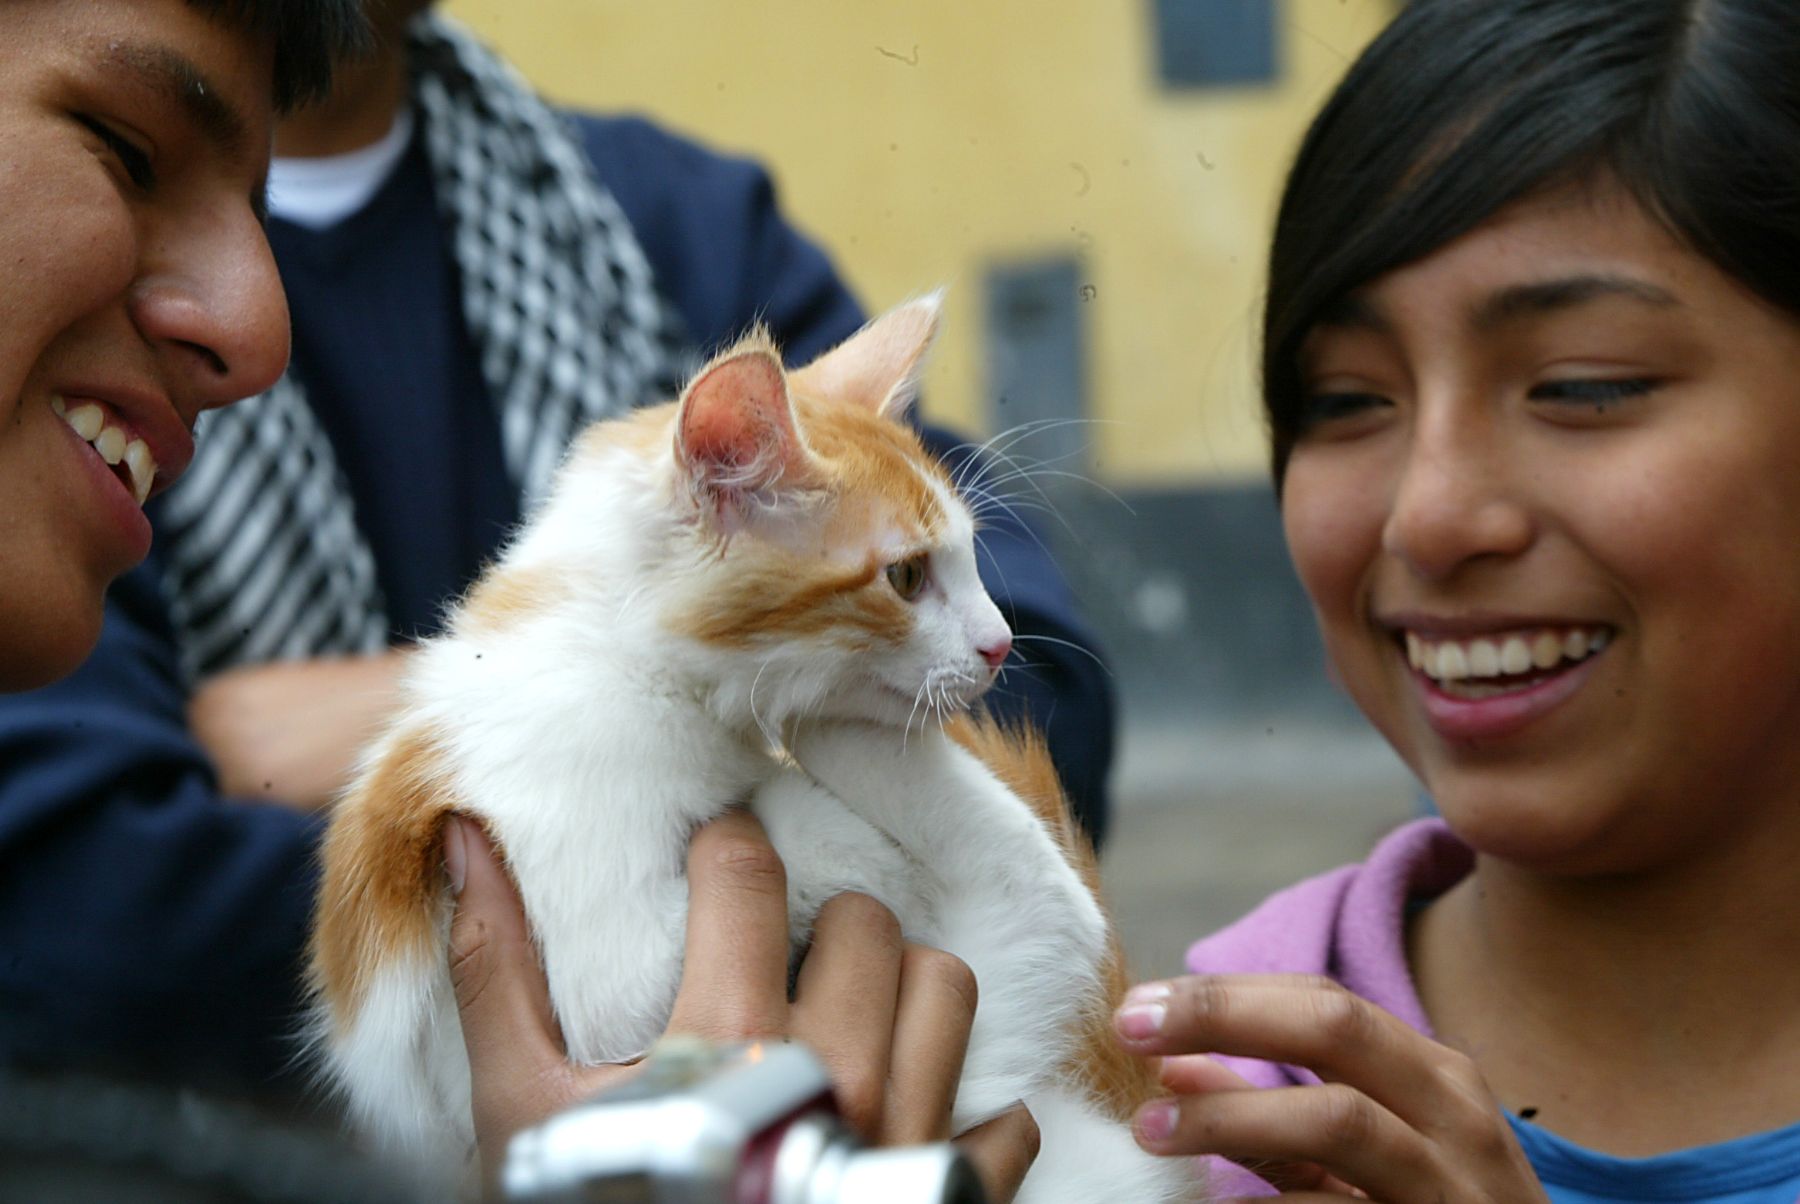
994,654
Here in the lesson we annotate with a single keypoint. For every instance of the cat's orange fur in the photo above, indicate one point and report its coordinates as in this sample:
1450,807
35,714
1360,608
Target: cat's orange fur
1019,758
383,867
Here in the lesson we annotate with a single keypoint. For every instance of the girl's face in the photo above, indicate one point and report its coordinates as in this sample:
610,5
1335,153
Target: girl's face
137,290
1547,506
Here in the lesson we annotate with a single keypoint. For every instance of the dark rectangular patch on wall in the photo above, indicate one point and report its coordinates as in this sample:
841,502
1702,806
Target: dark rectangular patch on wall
1212,43
1036,375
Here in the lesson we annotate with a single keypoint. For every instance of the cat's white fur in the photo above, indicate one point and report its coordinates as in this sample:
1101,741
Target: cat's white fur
592,743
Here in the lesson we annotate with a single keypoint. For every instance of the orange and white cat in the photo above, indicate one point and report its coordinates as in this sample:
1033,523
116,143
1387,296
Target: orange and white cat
766,590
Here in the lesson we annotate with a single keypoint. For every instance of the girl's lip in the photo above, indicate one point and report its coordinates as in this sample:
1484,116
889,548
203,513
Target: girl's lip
1465,720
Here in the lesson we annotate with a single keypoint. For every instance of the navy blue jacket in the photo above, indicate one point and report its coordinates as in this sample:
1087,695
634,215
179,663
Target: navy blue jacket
149,925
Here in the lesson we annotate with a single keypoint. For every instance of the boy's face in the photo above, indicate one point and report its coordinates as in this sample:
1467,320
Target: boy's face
137,289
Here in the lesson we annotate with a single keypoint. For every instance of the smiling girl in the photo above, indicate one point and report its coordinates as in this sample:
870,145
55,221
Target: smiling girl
1532,368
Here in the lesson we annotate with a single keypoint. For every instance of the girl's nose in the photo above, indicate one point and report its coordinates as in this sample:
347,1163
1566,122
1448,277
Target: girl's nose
1455,499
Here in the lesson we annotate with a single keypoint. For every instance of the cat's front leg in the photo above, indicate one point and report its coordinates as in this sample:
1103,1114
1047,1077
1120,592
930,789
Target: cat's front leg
1002,895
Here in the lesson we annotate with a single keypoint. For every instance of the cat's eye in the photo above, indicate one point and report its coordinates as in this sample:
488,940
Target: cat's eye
907,576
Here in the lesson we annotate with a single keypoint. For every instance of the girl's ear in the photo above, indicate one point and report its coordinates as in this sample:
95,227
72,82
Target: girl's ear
735,438
878,366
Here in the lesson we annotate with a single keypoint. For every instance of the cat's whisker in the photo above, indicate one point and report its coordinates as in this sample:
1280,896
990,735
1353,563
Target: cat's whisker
1050,639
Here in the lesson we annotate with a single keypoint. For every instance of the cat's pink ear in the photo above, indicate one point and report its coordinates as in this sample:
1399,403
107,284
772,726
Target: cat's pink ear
736,437
878,367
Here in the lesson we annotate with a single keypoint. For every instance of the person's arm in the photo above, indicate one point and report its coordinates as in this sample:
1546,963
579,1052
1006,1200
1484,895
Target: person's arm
726,258
148,925
289,732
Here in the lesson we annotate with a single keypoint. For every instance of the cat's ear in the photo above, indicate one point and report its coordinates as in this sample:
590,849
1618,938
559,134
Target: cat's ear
878,367
736,437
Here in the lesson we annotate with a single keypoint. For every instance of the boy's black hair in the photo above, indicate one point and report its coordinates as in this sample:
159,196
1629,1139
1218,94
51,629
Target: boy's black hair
1462,107
310,36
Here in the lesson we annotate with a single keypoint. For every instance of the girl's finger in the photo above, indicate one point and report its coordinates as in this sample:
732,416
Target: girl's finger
1304,1137
1312,1022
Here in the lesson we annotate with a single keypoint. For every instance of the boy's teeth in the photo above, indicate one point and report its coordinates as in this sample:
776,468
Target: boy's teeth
86,420
1494,656
115,447
111,445
143,468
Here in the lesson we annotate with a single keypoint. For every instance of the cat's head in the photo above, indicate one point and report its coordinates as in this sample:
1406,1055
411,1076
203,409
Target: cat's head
835,567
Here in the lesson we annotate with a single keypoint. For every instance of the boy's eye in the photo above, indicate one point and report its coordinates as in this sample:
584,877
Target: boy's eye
1597,392
907,576
131,157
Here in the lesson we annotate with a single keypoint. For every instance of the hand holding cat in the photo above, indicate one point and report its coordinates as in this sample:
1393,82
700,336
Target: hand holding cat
889,1020
1399,1117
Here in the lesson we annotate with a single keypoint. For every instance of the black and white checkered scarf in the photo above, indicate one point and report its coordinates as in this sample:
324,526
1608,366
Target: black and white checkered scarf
263,557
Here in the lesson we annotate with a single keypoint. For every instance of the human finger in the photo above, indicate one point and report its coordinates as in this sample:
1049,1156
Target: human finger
1195,1074
1002,1150
931,1037
1290,1134
845,1000
518,1070
1310,1021
1198,1074
734,975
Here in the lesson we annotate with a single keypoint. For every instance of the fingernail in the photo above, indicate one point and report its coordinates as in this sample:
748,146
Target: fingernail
1155,1121
1147,992
456,857
1140,1021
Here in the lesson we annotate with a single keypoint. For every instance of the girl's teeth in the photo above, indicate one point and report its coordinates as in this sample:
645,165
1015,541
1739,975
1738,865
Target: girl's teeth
1455,661
1484,659
1515,657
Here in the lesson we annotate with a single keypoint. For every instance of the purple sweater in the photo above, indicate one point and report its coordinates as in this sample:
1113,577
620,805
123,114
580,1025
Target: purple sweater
1350,924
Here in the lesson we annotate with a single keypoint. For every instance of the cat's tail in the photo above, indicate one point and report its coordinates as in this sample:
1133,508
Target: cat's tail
383,1017
1118,1081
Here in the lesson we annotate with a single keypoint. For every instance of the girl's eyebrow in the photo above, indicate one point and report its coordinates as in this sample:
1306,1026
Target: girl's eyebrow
1354,311
1551,296
169,73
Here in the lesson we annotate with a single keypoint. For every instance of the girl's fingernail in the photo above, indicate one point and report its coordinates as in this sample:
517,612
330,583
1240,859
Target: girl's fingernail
1155,1121
456,857
1140,1021
1147,992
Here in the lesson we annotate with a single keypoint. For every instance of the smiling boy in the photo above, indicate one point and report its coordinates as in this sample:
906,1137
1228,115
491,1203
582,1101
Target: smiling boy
138,289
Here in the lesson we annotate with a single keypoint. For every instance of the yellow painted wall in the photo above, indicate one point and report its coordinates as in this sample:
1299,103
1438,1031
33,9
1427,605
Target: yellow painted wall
920,140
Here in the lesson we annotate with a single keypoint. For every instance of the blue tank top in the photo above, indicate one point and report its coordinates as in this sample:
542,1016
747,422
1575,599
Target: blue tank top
1760,1169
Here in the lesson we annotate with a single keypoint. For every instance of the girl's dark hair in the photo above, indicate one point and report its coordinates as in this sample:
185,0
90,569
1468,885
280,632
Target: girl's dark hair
310,37
1462,107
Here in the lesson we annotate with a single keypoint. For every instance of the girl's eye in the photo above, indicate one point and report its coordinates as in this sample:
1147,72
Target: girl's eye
1321,409
907,576
1598,392
131,157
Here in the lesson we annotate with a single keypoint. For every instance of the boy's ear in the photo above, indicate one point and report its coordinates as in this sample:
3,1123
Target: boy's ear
878,367
735,437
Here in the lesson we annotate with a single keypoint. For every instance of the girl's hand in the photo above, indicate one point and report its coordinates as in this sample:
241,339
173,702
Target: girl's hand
889,1020
1398,1118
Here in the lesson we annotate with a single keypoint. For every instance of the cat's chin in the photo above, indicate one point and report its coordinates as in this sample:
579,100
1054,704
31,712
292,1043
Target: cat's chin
888,706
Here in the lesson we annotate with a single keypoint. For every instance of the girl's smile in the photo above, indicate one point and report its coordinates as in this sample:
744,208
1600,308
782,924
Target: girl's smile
1533,471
